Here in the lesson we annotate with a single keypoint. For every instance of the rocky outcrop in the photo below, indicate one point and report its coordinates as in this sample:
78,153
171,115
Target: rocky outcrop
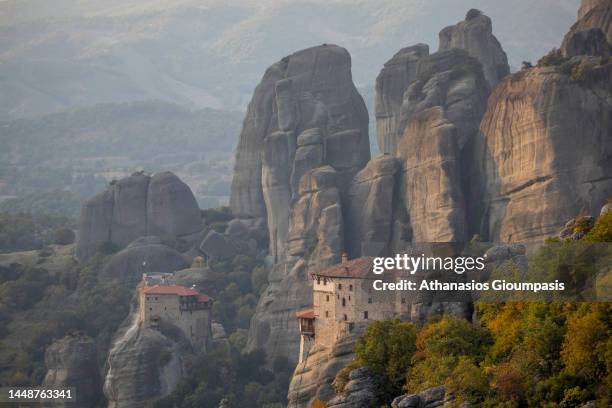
391,82
304,113
315,240
475,35
147,254
72,362
359,392
274,327
592,41
143,364
313,378
592,33
441,112
316,224
431,397
136,206
304,138
547,149
372,195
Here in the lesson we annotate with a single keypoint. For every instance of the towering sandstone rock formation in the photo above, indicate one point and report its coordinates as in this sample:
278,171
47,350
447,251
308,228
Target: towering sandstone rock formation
137,206
392,81
475,35
472,150
548,149
305,113
304,138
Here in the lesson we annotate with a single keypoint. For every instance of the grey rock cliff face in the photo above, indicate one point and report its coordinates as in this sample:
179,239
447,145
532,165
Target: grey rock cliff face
315,139
72,362
372,196
475,35
359,392
313,378
391,83
136,206
592,33
305,111
143,364
548,150
441,111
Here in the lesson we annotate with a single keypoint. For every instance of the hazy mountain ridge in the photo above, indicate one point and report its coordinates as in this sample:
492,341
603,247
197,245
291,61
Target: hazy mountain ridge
81,149
209,54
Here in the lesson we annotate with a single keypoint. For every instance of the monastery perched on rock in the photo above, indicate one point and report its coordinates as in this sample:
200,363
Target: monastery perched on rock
162,302
343,298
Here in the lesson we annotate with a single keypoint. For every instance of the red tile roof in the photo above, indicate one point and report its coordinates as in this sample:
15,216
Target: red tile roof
174,290
305,314
355,268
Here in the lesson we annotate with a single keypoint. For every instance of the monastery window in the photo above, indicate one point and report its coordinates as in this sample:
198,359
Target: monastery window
324,281
345,318
339,286
343,302
327,313
403,300
150,308
318,280
365,315
327,298
155,297
351,288
349,297
338,295
369,300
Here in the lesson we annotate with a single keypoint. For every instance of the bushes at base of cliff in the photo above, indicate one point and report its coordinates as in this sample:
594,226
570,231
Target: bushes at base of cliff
602,230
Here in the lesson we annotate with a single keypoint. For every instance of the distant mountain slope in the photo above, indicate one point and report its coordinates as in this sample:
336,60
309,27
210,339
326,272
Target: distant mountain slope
68,53
84,148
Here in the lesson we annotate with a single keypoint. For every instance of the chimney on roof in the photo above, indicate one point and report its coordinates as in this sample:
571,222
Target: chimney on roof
344,257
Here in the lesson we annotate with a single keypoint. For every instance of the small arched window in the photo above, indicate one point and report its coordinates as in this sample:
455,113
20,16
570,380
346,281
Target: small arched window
343,302
351,288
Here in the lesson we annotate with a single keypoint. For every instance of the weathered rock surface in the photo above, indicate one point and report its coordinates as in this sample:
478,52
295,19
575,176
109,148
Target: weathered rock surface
442,111
592,41
391,82
274,327
316,225
359,392
305,105
171,207
372,195
126,266
431,397
313,378
136,206
580,40
72,362
547,151
475,35
143,364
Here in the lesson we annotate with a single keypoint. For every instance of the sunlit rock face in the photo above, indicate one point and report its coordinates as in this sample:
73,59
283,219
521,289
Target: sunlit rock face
547,150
